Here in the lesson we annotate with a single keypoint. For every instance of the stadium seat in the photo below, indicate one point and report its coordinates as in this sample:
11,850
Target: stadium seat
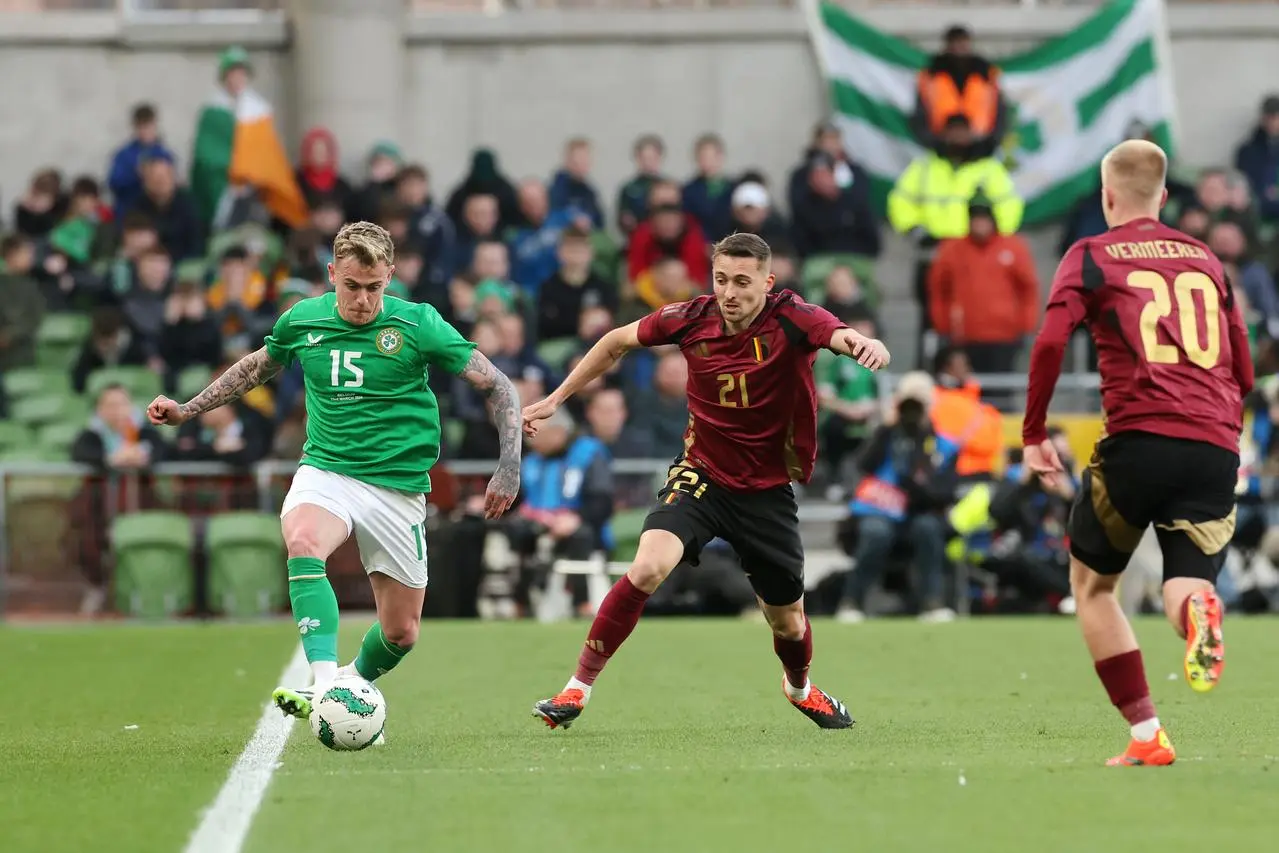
454,432
64,329
37,411
555,353
153,572
192,381
818,267
35,452
59,340
38,521
607,256
627,526
57,438
247,575
31,381
143,384
15,436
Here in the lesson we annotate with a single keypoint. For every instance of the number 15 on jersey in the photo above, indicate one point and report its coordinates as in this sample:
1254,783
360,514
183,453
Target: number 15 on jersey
344,365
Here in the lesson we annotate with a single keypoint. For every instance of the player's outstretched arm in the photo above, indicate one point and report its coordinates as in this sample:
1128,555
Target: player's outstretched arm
504,411
868,352
598,360
256,368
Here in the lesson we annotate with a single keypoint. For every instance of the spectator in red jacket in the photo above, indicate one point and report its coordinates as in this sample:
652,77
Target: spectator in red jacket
983,292
668,232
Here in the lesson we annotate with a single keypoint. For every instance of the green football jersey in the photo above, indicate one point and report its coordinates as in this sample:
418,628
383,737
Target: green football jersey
370,414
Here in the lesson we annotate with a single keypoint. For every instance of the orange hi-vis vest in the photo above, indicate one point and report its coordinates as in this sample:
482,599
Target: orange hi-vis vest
960,415
978,100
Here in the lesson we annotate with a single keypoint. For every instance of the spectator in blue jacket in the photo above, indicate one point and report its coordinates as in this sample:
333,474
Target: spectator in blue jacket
706,197
534,245
909,483
571,188
431,232
1258,159
125,180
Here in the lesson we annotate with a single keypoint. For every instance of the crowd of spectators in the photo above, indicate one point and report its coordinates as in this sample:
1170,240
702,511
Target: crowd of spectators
535,270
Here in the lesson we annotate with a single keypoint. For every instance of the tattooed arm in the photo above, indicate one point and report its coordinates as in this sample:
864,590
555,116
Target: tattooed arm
253,370
504,411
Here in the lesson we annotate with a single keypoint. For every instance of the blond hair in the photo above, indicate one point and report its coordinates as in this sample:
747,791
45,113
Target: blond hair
368,244
1135,169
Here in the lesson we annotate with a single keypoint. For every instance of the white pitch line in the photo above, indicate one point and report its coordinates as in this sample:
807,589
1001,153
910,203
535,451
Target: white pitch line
226,822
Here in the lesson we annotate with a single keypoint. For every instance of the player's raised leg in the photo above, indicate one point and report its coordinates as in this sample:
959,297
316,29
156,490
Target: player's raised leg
1191,602
659,552
793,645
1119,665
311,534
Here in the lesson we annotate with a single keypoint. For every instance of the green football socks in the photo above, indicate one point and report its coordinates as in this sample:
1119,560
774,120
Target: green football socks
378,655
315,609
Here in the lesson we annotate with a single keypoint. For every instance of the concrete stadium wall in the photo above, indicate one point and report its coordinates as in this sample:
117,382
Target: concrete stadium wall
523,82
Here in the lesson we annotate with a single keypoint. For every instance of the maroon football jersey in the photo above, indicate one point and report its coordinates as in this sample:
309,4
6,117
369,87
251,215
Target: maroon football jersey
752,403
1172,348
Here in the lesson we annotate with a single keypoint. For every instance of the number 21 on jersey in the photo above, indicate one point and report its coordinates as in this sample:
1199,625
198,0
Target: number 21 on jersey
1184,287
344,365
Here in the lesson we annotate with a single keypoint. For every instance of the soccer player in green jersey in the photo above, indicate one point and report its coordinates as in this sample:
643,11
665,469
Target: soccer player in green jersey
372,433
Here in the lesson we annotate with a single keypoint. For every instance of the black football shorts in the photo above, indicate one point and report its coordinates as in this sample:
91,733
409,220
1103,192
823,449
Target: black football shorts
1135,479
762,527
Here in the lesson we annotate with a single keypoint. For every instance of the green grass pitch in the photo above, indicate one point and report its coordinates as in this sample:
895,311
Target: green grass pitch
986,735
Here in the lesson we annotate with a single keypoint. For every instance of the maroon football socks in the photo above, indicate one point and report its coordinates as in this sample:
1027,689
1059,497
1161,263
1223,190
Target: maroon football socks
796,655
1124,677
617,617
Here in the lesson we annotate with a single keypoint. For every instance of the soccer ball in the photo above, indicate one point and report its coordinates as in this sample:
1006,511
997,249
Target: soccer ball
349,715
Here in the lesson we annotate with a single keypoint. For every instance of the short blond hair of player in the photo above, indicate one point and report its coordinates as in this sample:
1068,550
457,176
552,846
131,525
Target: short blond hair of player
1133,176
365,243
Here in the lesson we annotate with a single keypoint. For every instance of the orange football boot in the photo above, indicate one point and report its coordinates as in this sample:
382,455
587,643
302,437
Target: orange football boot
560,711
1146,753
1205,648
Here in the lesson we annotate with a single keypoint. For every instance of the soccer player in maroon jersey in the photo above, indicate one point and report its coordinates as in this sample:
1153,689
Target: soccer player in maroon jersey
1173,355
752,430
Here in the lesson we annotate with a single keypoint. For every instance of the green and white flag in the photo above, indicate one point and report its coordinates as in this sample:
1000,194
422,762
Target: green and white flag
1072,98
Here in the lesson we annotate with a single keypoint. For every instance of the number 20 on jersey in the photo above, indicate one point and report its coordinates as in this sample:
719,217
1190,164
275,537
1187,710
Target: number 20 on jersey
1184,287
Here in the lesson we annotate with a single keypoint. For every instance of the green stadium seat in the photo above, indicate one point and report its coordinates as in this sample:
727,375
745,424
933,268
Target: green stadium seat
38,520
64,330
19,488
57,356
15,435
35,453
627,525
37,411
607,259
818,267
247,574
192,381
143,384
555,353
31,381
454,431
153,572
57,438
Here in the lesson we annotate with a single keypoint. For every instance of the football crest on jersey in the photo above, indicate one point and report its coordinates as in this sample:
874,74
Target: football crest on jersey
389,341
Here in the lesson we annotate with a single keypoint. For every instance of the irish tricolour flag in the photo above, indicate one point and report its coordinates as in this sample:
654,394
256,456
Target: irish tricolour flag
1074,97
236,144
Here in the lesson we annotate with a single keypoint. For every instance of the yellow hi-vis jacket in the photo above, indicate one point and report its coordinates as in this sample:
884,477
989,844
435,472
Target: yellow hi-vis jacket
934,194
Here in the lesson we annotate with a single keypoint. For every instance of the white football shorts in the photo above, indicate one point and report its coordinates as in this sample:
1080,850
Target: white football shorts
389,526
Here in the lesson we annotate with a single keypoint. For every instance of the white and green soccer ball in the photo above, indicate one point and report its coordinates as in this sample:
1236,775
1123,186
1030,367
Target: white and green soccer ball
349,715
